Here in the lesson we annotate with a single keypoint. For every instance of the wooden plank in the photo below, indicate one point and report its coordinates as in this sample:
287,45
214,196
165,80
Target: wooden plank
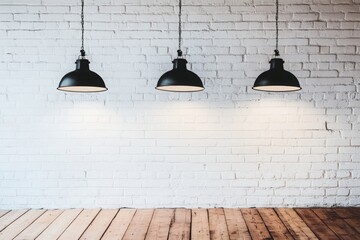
356,210
200,224
3,212
119,225
255,224
160,224
39,225
345,213
274,224
236,225
355,223
350,216
180,228
336,224
20,224
99,225
320,229
58,226
10,217
182,215
217,224
296,226
139,225
79,225
329,224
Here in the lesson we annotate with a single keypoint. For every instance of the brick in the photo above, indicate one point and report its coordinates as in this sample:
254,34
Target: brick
228,146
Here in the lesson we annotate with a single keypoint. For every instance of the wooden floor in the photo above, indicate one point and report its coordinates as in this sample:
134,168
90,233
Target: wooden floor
198,224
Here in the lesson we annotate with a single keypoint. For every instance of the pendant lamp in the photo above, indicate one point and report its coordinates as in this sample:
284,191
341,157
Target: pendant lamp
180,79
277,79
82,79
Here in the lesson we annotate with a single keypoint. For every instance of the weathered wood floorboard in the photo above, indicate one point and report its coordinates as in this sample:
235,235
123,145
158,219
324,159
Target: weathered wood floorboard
181,224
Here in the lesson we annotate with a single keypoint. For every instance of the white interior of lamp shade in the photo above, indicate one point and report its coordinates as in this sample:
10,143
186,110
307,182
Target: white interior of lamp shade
180,88
82,89
277,88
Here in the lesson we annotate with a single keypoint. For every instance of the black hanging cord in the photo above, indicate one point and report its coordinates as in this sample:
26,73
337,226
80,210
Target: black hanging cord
277,29
180,30
82,51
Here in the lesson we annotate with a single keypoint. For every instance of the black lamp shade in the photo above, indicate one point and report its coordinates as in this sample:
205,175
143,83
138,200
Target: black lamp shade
277,79
179,79
82,79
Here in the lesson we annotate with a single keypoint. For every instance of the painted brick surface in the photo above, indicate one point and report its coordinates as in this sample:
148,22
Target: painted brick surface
136,147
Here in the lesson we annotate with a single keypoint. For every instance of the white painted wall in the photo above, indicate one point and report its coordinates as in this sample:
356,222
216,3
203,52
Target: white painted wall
136,147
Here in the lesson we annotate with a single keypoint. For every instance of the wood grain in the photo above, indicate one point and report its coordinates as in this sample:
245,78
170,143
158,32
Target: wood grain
119,225
139,225
39,225
160,224
337,224
99,225
180,228
217,224
257,227
3,212
296,226
79,225
20,224
10,217
276,227
236,225
59,225
181,224
200,224
320,229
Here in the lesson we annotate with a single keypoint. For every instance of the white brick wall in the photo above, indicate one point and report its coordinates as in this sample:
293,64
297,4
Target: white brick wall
136,147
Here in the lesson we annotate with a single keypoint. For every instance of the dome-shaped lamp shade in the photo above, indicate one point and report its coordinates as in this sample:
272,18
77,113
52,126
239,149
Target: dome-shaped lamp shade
82,79
179,79
277,79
